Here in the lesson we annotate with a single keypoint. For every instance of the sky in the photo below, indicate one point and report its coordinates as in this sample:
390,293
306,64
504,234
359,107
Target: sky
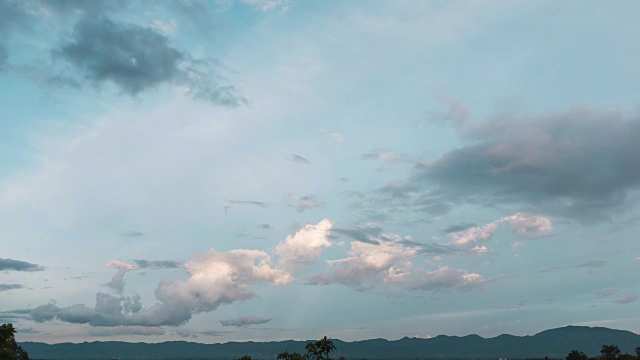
217,171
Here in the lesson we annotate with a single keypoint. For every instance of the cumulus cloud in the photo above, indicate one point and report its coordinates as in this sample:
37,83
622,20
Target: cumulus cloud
576,163
117,282
137,58
18,265
218,278
214,278
245,321
386,263
390,263
5,287
526,226
304,246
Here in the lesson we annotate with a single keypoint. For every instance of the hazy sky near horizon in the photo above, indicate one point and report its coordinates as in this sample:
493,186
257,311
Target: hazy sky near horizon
277,169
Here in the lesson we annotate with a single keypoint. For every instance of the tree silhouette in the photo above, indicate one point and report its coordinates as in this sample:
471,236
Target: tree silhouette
576,355
290,356
245,357
321,349
9,349
638,353
610,352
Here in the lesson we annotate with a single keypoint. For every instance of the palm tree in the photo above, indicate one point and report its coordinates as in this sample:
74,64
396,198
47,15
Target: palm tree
321,349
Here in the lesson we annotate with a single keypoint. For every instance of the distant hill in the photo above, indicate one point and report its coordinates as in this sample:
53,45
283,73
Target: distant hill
555,343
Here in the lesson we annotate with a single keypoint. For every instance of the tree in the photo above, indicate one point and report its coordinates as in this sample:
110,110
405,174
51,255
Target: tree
290,356
9,349
321,349
610,352
638,353
576,355
245,357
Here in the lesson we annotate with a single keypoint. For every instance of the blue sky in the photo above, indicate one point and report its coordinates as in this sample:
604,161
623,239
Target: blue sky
279,169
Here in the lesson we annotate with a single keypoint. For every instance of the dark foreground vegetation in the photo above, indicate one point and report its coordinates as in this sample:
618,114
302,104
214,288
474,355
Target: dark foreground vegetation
9,349
550,344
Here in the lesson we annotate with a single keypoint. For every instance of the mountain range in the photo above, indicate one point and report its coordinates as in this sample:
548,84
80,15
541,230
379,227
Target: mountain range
554,343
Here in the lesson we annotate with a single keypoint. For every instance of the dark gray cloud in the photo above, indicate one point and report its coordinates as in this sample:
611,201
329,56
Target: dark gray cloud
133,57
300,159
5,287
157,264
265,226
593,264
110,311
137,58
578,163
132,233
18,265
245,321
367,234
459,227
248,202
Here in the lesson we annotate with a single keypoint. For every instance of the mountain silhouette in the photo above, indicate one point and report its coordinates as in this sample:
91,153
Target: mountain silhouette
554,343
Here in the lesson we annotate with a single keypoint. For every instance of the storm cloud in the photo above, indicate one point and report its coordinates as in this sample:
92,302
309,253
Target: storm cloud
578,163
18,265
137,58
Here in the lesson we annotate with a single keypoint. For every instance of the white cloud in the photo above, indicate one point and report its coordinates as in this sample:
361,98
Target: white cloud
220,278
524,225
304,246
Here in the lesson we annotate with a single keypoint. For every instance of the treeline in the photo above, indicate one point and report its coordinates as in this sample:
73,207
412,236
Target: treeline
608,352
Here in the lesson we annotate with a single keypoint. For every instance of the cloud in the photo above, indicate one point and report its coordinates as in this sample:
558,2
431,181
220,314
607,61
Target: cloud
157,264
265,226
457,113
137,58
132,233
18,265
245,321
458,227
126,330
305,203
248,202
369,265
217,278
214,278
304,246
577,163
386,158
593,264
299,159
616,296
5,287
366,263
527,226
117,282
